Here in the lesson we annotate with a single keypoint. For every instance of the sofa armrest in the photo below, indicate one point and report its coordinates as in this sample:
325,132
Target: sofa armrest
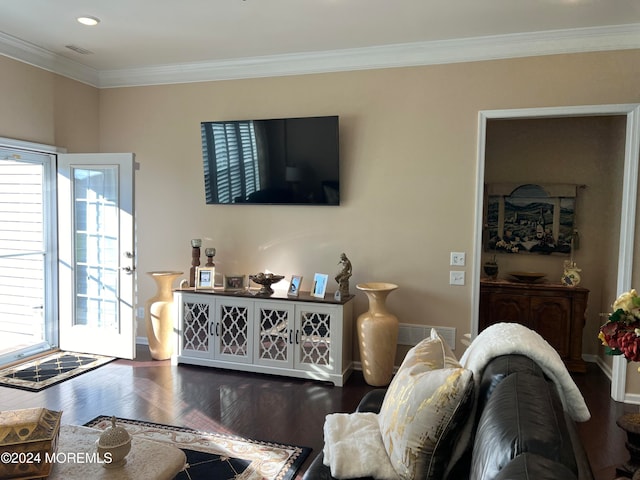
372,401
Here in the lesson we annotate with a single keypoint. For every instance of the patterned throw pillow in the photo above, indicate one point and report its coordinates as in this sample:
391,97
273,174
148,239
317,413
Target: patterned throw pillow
423,409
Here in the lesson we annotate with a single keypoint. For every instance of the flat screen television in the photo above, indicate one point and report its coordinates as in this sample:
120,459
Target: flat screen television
291,161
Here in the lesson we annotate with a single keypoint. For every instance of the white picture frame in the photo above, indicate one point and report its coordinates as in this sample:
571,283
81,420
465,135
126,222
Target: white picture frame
294,286
205,278
320,281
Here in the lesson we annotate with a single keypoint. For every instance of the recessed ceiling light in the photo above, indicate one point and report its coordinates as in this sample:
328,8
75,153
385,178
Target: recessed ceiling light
90,21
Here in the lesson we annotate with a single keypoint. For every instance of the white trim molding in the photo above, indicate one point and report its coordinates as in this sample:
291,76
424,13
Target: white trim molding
578,40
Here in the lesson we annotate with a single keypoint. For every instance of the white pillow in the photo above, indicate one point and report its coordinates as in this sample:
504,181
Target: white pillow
424,408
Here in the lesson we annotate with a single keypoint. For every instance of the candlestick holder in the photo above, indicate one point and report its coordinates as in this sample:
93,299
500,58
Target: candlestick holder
210,253
195,260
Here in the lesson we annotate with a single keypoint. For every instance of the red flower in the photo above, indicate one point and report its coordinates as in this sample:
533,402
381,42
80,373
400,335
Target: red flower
628,345
611,332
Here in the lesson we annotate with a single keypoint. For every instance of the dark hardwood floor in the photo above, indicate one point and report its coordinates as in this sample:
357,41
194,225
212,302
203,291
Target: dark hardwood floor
603,440
265,407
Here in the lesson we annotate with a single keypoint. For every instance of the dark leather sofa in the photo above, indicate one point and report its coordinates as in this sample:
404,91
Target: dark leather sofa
520,430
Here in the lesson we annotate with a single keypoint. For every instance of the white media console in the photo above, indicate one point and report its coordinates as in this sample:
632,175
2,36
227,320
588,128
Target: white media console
303,336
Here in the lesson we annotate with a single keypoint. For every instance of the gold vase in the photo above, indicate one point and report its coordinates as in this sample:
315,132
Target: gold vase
159,316
377,331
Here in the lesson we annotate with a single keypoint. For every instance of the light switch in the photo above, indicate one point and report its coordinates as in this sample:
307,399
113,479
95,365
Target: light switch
456,277
457,259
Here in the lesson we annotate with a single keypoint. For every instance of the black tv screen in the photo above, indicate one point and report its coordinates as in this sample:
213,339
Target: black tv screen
291,161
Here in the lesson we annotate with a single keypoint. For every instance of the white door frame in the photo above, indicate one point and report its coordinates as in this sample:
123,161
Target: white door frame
628,211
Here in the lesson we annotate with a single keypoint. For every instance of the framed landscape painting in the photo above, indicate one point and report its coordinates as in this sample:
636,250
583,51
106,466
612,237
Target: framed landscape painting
530,219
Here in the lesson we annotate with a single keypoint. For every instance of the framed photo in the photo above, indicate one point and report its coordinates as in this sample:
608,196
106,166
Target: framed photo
234,283
205,277
320,281
294,286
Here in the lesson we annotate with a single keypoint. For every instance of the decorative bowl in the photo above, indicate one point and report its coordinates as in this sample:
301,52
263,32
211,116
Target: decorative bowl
528,277
113,445
266,280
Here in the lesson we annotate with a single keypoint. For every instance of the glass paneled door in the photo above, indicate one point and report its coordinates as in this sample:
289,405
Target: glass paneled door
96,253
28,300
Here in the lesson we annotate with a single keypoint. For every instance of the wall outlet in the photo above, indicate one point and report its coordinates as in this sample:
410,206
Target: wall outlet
456,277
457,259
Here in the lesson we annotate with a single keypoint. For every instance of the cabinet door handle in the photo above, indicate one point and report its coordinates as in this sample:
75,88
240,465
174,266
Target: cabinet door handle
215,329
297,337
290,336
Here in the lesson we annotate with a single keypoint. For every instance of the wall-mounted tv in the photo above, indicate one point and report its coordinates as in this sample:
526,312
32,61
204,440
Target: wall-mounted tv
291,161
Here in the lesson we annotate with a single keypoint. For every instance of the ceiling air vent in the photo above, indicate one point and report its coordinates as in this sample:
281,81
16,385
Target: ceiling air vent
80,50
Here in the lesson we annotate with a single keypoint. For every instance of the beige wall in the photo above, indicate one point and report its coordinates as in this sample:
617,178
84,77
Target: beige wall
409,154
41,107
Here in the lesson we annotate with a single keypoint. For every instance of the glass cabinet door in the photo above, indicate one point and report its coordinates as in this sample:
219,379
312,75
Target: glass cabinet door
196,327
233,330
313,338
275,334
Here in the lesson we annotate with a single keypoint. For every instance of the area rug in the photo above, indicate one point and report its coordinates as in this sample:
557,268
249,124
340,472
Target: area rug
218,456
40,373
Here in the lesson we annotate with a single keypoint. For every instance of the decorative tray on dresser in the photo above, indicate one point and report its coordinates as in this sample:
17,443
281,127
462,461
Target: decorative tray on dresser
553,310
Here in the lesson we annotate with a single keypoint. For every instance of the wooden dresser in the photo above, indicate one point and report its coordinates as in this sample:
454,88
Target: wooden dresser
556,312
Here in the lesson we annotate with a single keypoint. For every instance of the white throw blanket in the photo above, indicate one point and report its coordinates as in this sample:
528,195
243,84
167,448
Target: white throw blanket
353,447
513,338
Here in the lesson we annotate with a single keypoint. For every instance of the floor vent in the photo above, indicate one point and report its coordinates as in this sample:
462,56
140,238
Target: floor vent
410,334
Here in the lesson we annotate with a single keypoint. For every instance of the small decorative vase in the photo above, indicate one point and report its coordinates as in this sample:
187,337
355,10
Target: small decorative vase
159,316
571,274
490,268
377,335
113,445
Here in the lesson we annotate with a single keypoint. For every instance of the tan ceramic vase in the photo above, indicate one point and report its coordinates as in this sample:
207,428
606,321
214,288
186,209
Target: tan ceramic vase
377,335
159,316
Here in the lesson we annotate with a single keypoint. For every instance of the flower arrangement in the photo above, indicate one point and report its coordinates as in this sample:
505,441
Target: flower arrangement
507,246
621,333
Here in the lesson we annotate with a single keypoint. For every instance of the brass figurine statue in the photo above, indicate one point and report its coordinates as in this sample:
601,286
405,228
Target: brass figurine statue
343,276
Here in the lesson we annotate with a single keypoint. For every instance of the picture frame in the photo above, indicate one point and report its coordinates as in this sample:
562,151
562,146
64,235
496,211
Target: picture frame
205,278
234,283
294,286
320,281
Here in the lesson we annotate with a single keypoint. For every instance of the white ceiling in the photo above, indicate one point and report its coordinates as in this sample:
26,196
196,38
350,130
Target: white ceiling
161,41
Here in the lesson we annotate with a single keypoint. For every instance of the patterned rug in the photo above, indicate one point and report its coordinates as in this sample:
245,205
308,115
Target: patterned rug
42,372
218,456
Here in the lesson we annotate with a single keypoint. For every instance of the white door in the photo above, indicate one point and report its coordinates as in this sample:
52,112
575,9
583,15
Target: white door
96,253
28,254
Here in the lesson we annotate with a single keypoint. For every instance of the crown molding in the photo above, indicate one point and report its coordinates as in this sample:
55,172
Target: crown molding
592,39
39,57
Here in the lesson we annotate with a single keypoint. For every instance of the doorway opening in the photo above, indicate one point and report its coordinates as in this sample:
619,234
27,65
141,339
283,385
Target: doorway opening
67,261
28,253
621,265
